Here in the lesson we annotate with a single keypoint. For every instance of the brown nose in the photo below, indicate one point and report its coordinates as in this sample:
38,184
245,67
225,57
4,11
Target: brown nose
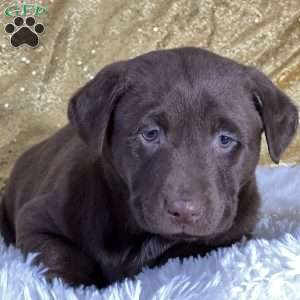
183,210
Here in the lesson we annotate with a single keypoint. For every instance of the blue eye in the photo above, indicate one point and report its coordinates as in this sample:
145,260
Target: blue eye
225,141
150,135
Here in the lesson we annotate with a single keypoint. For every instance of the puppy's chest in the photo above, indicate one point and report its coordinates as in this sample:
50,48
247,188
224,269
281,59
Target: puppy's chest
152,252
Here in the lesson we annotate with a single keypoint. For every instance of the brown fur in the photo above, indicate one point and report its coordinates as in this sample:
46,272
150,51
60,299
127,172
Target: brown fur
101,198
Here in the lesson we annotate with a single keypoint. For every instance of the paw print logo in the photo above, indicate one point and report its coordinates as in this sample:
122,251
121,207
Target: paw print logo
24,32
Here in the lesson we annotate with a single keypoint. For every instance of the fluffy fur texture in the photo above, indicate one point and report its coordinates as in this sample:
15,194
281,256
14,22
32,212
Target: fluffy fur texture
267,267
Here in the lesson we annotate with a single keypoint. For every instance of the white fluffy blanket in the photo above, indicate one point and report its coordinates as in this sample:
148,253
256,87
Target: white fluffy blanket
267,267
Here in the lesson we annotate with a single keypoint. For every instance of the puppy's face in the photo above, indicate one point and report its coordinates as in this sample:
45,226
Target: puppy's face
184,134
185,151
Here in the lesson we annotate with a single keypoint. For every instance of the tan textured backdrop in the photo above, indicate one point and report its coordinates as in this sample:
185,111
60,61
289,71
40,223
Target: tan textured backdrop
83,35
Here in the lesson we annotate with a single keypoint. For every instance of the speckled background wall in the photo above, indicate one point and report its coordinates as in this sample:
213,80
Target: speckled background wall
82,36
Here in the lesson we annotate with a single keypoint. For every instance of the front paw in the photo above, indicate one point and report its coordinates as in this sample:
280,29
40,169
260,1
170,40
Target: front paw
72,279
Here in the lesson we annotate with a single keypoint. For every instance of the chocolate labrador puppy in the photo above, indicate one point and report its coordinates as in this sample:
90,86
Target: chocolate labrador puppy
158,161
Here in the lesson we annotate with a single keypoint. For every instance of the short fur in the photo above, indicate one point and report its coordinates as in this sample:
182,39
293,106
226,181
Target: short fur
98,201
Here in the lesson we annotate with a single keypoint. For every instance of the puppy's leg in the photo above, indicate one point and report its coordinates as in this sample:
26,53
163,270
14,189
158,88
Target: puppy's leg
36,232
6,228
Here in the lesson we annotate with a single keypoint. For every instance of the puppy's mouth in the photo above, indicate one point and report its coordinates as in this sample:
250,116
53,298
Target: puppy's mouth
183,230
190,232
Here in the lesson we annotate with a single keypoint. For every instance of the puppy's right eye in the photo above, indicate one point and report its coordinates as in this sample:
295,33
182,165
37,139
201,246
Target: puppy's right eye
225,141
150,135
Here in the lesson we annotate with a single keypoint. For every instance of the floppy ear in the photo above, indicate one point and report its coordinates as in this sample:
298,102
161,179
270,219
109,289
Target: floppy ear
279,115
91,107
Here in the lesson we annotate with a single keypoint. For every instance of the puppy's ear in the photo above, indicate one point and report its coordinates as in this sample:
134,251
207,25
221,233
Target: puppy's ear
91,107
279,115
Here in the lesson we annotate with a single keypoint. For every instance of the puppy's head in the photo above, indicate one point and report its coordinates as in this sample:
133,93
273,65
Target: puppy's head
183,127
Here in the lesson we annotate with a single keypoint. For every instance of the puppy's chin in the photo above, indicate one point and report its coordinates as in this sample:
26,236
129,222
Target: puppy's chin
181,237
